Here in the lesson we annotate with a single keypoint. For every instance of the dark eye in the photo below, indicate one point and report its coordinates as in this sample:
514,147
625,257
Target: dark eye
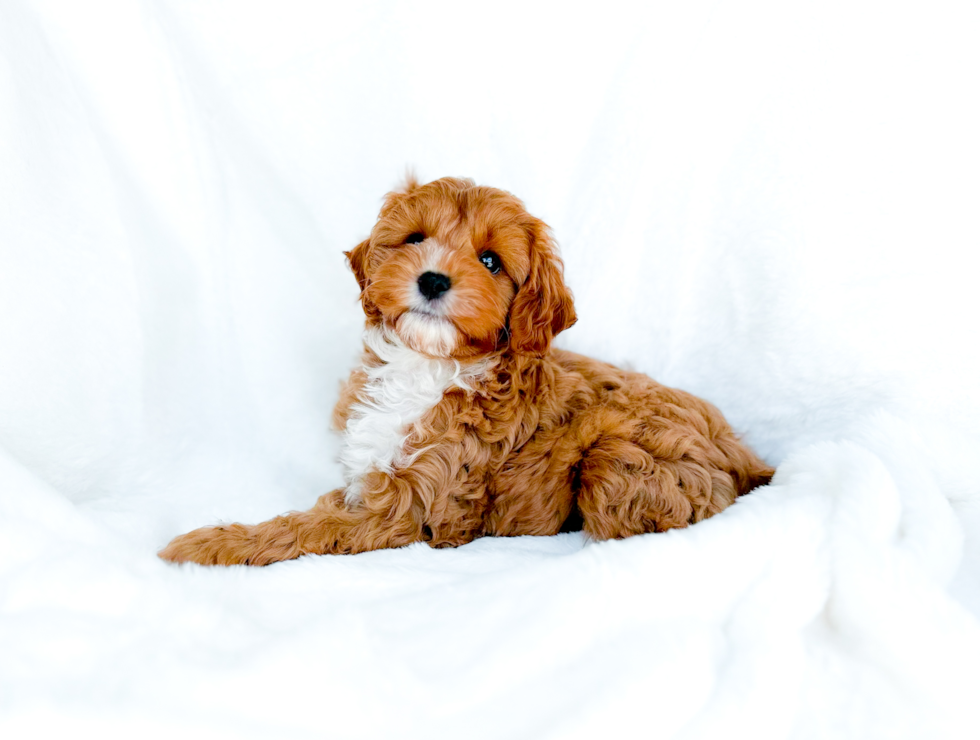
491,261
415,238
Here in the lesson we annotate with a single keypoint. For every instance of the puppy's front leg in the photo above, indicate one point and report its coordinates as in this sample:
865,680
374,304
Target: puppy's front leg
329,527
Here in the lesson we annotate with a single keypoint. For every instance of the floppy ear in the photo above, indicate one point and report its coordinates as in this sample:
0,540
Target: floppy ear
543,306
356,259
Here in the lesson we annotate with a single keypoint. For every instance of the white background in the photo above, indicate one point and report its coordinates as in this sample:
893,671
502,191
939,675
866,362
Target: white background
772,205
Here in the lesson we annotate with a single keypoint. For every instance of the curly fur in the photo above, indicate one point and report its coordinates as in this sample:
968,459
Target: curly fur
463,422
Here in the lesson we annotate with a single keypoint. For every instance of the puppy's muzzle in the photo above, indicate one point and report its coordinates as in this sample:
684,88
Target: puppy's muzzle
433,284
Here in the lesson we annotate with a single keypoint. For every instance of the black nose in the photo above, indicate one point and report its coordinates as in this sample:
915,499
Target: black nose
434,284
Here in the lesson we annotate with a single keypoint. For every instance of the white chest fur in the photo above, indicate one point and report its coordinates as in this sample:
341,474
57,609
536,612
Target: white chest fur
397,395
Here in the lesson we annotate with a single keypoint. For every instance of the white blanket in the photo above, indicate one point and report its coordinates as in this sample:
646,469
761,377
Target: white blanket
773,208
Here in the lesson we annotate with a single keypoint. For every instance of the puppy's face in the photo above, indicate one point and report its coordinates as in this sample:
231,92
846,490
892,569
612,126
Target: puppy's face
460,271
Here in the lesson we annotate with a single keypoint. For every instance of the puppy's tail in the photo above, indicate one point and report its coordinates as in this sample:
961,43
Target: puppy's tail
747,469
759,476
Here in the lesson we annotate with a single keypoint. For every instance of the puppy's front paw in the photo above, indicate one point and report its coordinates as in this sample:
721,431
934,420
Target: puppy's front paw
209,546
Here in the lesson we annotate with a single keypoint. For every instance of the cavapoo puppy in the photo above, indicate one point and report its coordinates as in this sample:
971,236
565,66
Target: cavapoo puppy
462,421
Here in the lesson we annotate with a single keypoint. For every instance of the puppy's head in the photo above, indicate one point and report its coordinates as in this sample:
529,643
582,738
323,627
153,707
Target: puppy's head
458,270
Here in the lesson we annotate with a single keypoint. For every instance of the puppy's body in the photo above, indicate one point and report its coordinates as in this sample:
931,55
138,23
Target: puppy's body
463,422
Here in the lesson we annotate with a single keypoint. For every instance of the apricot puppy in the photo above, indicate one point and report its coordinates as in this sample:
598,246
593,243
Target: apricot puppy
462,421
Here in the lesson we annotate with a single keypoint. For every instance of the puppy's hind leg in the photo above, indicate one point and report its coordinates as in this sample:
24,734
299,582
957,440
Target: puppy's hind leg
624,490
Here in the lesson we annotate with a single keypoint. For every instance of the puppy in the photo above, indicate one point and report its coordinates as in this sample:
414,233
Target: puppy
462,421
